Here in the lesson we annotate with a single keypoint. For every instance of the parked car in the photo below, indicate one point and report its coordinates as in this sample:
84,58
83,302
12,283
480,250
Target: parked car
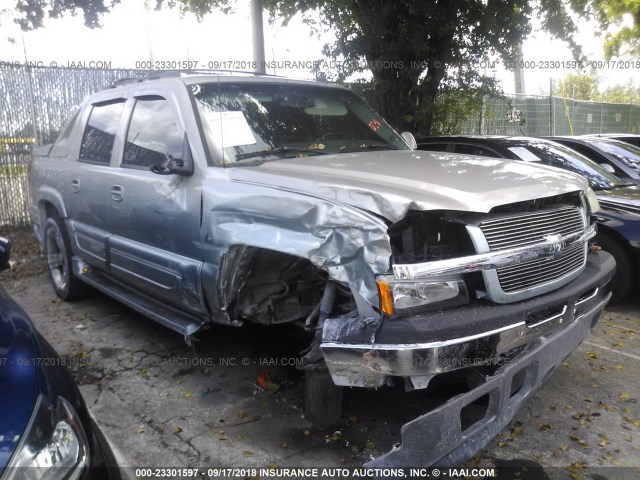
617,157
619,219
223,199
45,427
630,138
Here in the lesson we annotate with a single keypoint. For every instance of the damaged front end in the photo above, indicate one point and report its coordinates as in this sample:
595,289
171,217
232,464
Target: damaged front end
515,290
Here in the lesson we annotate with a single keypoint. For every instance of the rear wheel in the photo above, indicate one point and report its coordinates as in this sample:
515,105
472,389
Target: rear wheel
624,277
57,250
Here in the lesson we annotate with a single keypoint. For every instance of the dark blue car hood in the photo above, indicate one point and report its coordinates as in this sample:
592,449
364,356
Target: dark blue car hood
624,198
19,386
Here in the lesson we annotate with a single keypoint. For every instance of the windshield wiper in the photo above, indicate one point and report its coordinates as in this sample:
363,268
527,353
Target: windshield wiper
613,186
279,151
367,147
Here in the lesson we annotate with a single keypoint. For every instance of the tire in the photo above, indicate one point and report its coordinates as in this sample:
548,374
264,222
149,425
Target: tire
57,251
624,278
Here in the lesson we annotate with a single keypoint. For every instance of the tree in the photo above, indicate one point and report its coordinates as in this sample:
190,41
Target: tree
621,16
414,49
585,86
579,86
626,93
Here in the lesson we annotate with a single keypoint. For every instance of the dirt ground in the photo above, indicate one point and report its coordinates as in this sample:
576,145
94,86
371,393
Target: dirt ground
163,403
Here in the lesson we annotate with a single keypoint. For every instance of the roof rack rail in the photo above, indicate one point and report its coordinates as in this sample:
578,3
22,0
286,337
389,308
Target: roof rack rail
125,81
176,73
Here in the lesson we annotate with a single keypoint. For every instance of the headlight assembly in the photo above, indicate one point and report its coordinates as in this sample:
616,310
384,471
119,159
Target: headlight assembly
407,298
53,446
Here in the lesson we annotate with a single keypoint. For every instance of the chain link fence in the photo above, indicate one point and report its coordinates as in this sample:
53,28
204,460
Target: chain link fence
36,102
543,115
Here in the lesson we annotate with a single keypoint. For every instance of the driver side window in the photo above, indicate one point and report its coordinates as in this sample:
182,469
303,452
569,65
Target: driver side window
153,134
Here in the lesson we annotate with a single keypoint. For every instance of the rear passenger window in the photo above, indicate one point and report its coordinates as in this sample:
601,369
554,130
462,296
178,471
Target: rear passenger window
474,150
100,133
153,134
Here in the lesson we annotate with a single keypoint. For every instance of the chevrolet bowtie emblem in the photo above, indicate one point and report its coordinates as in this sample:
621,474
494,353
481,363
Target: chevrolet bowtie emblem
556,245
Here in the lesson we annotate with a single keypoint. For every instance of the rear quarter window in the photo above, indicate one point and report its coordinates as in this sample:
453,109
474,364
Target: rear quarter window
100,132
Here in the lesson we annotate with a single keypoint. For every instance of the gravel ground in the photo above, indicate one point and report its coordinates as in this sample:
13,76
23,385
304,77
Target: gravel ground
162,403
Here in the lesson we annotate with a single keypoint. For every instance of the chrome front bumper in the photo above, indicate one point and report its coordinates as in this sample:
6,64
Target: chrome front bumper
438,438
364,352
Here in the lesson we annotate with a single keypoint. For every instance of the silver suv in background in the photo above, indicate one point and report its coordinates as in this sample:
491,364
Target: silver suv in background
226,199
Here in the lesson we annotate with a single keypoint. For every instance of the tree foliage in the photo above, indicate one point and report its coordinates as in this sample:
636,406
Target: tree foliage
414,49
586,86
579,86
619,21
627,93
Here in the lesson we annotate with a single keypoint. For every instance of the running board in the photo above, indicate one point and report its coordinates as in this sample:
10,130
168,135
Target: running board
180,322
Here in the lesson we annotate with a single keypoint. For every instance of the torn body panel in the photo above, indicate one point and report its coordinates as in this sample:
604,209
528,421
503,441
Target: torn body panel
333,214
350,245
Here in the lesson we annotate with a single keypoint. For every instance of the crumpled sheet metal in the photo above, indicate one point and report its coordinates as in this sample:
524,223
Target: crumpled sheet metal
391,183
350,244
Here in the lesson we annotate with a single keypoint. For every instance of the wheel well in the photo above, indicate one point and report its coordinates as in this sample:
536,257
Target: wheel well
47,209
276,287
616,236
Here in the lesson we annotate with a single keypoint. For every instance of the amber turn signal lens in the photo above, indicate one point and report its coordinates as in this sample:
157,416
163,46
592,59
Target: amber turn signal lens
386,298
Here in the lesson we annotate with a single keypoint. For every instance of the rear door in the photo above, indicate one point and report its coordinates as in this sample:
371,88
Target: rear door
86,192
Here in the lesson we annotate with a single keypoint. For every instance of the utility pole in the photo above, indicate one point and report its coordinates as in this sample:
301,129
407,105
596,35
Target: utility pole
518,70
258,36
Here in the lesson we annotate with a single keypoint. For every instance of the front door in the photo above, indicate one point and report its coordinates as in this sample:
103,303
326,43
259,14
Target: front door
155,219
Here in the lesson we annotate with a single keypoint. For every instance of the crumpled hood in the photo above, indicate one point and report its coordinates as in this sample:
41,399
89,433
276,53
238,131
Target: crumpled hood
390,183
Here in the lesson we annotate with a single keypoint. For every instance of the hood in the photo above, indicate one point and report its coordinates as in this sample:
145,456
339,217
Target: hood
18,375
390,183
624,198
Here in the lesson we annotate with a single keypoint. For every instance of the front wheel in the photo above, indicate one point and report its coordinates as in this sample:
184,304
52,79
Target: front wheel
57,250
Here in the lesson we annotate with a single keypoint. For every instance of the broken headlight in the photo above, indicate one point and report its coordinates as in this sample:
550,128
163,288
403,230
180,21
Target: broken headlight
407,298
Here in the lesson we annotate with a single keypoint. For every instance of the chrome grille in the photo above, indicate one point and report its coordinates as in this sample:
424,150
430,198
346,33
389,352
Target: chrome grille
528,229
527,275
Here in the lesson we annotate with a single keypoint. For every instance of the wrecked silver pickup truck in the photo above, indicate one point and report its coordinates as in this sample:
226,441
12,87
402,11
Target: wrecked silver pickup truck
224,199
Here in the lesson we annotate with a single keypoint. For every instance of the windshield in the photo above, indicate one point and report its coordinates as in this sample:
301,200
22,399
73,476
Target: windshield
246,123
557,155
628,154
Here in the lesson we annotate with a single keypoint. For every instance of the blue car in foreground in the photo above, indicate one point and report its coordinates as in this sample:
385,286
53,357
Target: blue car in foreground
45,428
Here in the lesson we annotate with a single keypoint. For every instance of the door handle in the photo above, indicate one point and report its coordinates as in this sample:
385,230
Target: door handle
75,186
117,193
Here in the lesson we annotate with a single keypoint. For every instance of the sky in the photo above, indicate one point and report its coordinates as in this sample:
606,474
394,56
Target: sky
133,36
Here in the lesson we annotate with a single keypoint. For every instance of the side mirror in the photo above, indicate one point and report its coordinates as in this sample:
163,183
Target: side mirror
410,140
176,166
5,252
607,167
